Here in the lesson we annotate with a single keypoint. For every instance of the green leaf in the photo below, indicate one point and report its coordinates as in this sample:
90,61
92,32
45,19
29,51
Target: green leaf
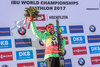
31,12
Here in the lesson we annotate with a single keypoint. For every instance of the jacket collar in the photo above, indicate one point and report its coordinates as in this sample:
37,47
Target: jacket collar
49,33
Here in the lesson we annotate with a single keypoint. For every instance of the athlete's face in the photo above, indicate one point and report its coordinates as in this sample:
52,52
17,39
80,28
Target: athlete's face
50,28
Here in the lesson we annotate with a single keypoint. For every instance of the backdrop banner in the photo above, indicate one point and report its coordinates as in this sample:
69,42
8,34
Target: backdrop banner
79,21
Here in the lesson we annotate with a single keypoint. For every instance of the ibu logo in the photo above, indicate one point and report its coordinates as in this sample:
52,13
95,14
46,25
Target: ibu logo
6,43
41,64
77,39
26,54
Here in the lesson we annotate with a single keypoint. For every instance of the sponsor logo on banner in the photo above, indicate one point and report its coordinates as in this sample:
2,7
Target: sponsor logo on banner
40,18
68,63
77,39
41,42
66,38
64,52
4,65
63,29
23,43
81,61
29,64
41,29
26,54
76,29
41,64
6,43
40,53
58,17
95,60
22,31
93,38
92,8
79,50
92,28
94,49
6,56
5,31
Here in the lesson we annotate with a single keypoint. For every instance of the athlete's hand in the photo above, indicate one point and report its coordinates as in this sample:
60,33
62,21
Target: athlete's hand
61,36
30,18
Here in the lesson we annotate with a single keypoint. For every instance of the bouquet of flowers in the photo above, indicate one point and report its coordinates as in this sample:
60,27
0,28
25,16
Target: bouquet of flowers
31,13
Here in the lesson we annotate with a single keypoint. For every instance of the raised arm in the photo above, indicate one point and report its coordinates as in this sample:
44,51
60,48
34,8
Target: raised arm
40,35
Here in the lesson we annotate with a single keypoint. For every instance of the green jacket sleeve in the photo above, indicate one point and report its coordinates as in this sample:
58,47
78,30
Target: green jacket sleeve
63,43
40,35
